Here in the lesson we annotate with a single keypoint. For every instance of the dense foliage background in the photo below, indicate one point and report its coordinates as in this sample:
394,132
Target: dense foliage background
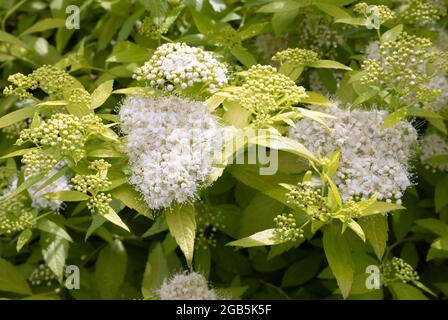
125,250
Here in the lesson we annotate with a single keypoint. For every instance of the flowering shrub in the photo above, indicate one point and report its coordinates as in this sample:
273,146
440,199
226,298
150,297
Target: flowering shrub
224,149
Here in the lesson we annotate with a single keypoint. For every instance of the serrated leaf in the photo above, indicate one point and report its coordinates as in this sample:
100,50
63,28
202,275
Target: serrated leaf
69,196
11,280
113,217
339,258
404,291
110,269
328,64
23,239
156,271
54,229
45,24
263,238
100,94
182,225
17,116
376,230
54,252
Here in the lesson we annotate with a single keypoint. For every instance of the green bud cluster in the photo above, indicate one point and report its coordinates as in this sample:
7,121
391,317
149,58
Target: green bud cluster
15,216
99,203
151,29
6,175
384,13
208,220
93,183
286,227
50,79
13,131
80,96
422,12
65,132
405,66
398,270
296,56
265,91
228,38
42,275
310,200
38,161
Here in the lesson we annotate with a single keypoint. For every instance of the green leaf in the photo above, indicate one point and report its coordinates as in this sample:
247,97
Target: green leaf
376,230
11,280
128,52
23,239
52,228
333,10
182,225
274,141
440,243
441,192
392,34
381,207
156,271
356,228
244,56
132,199
138,91
302,271
434,225
101,93
17,153
316,98
328,64
110,269
69,196
17,116
55,252
263,238
281,21
281,6
202,260
394,118
113,217
9,38
45,24
404,291
339,258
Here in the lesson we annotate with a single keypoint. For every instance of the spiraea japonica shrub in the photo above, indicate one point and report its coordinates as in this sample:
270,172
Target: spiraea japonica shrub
227,150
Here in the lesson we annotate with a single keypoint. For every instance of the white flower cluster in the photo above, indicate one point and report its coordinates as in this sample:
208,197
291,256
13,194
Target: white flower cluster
373,160
177,65
186,286
171,143
60,184
440,104
432,145
372,51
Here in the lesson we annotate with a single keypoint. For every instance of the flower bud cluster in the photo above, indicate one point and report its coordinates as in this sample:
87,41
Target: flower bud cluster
296,56
382,12
50,79
15,215
151,29
286,227
37,161
422,12
177,65
398,270
310,200
42,275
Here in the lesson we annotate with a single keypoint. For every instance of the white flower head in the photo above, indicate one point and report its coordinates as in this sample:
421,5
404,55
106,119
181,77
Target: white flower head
432,145
177,65
186,286
36,195
373,160
372,51
171,144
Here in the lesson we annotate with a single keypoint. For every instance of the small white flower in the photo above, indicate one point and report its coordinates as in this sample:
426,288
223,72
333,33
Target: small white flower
432,145
174,65
171,143
186,286
373,160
